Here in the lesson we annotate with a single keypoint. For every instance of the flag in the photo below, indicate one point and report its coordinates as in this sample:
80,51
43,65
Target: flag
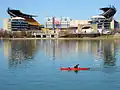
57,21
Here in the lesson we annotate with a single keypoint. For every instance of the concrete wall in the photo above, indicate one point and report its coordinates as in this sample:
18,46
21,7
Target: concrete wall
112,25
74,23
6,25
94,26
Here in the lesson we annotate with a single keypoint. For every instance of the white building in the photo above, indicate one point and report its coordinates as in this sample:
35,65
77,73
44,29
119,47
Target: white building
60,22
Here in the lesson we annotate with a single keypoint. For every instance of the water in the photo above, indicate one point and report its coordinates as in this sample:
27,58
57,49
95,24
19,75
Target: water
34,64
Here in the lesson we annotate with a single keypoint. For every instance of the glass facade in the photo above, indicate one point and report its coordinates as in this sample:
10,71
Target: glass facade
18,24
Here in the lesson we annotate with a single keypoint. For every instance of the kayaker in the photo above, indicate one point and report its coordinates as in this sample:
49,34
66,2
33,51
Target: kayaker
76,66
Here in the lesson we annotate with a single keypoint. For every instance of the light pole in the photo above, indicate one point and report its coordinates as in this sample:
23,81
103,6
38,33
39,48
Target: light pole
53,22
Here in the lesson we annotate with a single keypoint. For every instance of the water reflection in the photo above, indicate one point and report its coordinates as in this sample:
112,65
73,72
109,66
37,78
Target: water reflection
1,42
109,53
61,48
20,50
102,49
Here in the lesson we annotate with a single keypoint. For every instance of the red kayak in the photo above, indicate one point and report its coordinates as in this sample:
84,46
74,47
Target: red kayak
74,68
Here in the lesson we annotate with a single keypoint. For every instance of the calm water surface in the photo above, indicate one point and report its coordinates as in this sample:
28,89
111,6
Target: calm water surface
34,64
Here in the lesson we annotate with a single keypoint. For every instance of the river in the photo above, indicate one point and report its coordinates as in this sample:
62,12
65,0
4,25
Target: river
35,64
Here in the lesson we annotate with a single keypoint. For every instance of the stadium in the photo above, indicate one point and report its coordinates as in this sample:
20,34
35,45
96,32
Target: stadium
21,21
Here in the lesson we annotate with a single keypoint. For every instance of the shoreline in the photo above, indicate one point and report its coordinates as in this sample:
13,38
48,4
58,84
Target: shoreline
84,38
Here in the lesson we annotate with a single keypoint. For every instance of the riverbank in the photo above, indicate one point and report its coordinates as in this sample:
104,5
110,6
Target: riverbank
84,38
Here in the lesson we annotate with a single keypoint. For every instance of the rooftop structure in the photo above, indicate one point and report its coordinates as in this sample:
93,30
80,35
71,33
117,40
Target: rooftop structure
97,17
105,20
21,21
27,17
108,12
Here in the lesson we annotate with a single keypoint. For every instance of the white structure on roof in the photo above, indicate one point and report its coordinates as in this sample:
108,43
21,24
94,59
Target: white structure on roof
97,16
18,18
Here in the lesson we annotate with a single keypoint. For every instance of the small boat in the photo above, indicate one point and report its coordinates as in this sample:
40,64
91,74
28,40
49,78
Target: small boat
75,69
